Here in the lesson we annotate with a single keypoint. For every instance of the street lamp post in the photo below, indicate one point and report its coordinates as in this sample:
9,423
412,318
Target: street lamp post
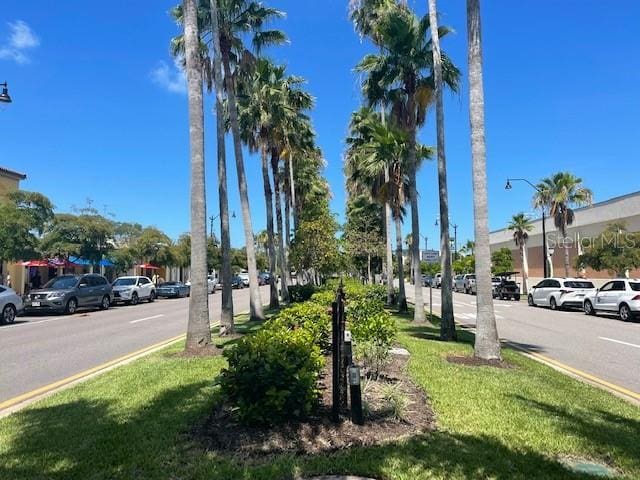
4,96
212,218
544,230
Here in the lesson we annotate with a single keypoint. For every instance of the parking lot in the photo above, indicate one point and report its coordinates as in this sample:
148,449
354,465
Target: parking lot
603,346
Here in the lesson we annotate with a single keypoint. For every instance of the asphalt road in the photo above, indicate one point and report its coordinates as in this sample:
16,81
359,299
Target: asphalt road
39,350
603,346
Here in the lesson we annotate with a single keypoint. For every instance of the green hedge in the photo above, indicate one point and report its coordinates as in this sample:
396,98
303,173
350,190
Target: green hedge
310,316
272,375
301,293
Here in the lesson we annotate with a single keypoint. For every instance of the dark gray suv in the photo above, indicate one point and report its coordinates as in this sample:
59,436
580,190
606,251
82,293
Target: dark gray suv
67,293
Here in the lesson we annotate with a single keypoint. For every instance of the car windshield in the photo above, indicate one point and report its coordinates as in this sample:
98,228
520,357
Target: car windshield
635,286
170,284
61,283
471,277
123,282
578,284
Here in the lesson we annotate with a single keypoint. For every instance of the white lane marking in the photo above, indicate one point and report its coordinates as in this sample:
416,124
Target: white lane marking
619,341
147,318
32,323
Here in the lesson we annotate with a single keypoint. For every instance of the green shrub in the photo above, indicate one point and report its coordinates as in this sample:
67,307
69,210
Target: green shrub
376,293
272,376
301,293
310,316
324,298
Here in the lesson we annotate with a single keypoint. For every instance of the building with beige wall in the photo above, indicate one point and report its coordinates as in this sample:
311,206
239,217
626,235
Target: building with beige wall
9,182
589,222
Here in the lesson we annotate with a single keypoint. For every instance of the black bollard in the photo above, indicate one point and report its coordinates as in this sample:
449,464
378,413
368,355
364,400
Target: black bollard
335,354
355,392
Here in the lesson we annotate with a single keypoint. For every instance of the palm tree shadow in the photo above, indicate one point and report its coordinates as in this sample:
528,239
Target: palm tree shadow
87,439
604,430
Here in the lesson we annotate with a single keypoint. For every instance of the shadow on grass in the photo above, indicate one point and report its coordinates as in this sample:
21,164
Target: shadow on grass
81,440
98,439
432,332
606,431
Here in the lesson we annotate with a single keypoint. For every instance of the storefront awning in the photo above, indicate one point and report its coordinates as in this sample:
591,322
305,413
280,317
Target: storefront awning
35,263
148,266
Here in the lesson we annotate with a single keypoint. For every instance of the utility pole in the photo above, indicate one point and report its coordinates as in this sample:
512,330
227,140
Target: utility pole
212,218
455,241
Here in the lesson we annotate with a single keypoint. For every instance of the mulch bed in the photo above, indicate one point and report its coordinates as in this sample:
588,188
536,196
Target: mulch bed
477,362
221,433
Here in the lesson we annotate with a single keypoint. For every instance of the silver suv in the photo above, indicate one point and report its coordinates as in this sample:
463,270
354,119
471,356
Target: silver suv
464,283
67,293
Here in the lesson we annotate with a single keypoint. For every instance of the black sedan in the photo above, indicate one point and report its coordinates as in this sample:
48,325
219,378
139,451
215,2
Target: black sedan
173,289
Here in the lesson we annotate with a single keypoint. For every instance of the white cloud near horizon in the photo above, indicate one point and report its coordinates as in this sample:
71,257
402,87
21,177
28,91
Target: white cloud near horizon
21,40
171,78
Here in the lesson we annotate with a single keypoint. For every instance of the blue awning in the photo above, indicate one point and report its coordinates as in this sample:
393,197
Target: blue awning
84,261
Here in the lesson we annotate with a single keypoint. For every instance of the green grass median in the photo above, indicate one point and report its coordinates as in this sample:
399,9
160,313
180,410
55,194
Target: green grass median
518,423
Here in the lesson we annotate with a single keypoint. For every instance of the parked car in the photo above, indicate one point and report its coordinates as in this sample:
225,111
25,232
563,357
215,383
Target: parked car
237,282
264,278
10,305
437,280
621,295
173,290
131,290
427,280
67,293
495,283
507,289
559,293
463,283
213,283
244,276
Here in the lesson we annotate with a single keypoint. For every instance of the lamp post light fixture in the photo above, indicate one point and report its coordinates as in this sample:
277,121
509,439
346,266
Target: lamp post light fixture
545,251
4,96
212,218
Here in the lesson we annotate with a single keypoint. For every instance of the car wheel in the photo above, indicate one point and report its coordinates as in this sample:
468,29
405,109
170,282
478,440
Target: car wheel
152,296
517,298
553,304
106,303
134,299
625,312
72,306
588,308
530,301
8,314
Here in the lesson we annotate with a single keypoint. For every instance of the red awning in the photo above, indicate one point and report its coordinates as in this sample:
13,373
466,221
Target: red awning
148,266
35,263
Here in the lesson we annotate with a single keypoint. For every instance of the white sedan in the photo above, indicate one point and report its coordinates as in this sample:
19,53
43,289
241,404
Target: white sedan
621,296
10,305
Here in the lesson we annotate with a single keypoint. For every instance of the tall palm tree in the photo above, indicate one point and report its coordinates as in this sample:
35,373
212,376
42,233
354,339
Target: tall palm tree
487,342
560,193
401,76
447,323
521,226
198,327
226,318
212,72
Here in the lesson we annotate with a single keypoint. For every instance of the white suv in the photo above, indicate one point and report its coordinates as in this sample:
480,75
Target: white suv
621,295
133,289
558,293
463,283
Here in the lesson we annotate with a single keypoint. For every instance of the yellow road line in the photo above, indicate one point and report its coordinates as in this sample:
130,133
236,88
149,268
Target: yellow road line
85,373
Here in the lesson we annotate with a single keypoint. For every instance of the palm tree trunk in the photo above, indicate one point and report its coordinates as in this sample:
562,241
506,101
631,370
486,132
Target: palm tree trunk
284,280
369,279
447,324
525,269
198,327
402,297
226,318
287,218
487,342
567,263
268,195
255,303
292,194
387,225
418,315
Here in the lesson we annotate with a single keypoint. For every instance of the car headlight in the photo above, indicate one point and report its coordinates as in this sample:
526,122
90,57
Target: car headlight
56,295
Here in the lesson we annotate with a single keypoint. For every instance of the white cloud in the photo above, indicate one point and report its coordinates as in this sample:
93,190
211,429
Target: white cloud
21,40
171,78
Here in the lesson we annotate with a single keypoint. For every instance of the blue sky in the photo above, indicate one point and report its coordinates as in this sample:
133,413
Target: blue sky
99,111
